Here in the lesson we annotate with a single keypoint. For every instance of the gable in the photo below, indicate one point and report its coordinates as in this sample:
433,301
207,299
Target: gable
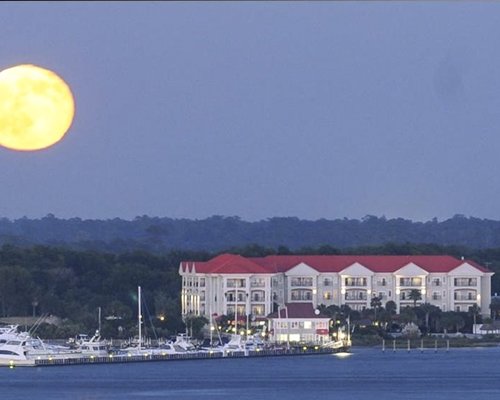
356,269
410,270
465,269
302,269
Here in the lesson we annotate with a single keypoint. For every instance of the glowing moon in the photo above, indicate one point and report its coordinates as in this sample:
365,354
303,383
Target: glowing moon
36,108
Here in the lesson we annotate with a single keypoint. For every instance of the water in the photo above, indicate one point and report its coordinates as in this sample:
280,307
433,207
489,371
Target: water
365,374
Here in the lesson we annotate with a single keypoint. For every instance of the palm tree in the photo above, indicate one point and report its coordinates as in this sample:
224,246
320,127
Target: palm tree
428,310
376,303
475,311
415,295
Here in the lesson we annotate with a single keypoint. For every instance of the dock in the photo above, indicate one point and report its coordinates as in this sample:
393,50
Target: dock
129,358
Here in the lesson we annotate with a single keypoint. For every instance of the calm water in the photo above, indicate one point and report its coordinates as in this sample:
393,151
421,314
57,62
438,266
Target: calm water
365,374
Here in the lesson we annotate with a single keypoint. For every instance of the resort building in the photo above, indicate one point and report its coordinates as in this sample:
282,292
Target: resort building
234,285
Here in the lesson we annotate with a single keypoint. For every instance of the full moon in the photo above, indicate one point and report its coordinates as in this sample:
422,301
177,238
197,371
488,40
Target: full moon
36,108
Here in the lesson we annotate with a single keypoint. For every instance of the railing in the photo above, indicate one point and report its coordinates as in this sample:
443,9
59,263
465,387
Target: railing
356,282
301,296
410,282
465,282
468,297
301,282
232,284
360,297
257,284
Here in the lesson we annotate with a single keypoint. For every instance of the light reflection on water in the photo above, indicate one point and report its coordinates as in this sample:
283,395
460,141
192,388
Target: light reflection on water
364,374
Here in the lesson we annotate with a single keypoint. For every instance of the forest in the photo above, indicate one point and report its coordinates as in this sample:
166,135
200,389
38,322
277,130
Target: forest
73,284
161,235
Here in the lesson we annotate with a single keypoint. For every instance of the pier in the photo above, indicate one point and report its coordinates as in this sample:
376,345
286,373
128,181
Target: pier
129,358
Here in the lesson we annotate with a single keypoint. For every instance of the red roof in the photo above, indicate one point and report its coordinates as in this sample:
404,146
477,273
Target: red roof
229,264
297,310
235,264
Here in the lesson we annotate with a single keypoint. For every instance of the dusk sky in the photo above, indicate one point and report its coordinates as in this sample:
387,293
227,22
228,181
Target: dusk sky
306,109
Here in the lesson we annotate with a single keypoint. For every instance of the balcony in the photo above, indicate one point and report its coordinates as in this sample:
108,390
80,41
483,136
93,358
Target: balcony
410,282
362,282
465,282
457,296
301,282
352,297
356,295
235,283
301,295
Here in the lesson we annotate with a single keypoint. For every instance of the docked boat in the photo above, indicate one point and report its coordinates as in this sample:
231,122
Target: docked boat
25,350
93,346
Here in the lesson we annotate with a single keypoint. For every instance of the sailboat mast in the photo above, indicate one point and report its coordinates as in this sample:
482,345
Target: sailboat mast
139,316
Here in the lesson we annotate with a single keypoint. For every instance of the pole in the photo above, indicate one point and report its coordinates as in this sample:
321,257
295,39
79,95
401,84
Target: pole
383,346
287,329
236,310
139,317
99,318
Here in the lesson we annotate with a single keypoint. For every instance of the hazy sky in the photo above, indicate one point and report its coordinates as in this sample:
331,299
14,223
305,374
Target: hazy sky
307,109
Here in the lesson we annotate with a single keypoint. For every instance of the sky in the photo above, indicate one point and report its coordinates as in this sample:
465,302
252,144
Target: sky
262,109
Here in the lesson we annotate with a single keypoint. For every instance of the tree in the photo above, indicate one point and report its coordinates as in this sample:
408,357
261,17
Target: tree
428,311
407,315
195,326
495,308
474,311
451,320
376,304
415,295
391,307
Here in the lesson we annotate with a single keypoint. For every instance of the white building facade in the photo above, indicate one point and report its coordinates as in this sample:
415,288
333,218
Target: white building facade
230,284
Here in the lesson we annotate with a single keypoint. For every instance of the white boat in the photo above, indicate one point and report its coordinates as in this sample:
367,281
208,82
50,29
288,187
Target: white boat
183,343
93,346
9,332
235,344
25,350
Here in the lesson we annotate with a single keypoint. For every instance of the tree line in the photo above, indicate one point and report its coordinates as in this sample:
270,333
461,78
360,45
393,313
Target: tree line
161,235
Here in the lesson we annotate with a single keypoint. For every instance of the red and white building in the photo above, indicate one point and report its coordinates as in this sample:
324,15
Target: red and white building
229,284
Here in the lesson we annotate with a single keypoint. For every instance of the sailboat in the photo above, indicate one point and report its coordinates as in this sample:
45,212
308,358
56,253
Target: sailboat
141,349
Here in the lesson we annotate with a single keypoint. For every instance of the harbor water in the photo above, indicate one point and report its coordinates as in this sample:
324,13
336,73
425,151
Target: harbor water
469,373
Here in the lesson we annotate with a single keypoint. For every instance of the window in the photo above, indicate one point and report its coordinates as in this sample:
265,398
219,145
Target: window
327,295
258,310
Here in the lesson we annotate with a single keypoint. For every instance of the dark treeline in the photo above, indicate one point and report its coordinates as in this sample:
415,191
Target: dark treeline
160,235
72,284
